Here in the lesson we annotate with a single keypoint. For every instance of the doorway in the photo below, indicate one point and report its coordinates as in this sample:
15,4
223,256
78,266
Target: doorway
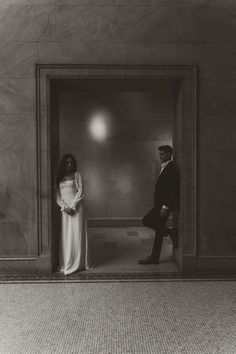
114,128
142,107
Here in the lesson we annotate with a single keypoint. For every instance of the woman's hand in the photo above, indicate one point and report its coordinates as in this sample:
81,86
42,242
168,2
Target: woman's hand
70,211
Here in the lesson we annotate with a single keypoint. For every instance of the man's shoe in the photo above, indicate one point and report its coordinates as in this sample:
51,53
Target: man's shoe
148,260
174,237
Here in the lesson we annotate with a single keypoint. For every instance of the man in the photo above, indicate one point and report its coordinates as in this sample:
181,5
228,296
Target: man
166,200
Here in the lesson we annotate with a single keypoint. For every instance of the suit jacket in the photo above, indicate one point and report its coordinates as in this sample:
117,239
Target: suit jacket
167,188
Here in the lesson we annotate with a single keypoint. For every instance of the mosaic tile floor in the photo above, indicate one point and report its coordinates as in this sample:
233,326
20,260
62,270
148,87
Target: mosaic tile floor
118,318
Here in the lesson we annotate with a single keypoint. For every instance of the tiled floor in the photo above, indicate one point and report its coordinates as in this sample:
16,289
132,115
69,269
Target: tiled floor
119,249
118,318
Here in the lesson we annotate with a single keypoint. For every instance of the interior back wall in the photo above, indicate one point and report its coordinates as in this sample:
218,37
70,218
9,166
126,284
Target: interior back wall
158,32
120,170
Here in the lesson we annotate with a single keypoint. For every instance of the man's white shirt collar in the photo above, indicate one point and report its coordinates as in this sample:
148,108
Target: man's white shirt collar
164,165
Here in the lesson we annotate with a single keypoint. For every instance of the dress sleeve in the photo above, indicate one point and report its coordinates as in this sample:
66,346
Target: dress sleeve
80,191
60,201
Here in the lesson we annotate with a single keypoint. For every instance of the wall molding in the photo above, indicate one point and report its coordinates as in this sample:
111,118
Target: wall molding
185,78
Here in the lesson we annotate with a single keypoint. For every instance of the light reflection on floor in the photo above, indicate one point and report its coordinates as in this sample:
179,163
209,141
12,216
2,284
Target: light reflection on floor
119,249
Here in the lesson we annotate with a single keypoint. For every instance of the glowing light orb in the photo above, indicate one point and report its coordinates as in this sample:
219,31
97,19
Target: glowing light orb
99,125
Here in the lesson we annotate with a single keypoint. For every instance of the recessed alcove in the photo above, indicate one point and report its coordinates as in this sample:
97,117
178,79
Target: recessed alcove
114,128
142,107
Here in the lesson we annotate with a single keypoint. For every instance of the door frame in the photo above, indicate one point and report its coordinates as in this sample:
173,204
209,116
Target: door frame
185,143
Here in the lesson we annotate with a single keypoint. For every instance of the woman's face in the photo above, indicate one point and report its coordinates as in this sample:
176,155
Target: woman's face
69,164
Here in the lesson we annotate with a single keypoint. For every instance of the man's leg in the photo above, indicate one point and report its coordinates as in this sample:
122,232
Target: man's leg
157,245
160,228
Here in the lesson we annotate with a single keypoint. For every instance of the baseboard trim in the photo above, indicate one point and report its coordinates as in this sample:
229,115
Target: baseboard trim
211,263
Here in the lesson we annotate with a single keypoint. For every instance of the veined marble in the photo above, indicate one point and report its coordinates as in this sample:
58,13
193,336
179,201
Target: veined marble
17,60
27,23
19,168
18,132
18,204
82,52
214,25
106,23
18,238
211,59
217,135
151,3
217,97
17,96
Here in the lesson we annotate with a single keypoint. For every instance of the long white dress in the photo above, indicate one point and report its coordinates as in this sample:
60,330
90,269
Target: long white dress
74,243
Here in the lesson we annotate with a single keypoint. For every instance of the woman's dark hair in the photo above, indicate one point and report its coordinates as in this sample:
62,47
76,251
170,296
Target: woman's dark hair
62,168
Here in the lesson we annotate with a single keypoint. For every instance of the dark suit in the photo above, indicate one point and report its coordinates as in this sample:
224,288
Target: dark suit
166,193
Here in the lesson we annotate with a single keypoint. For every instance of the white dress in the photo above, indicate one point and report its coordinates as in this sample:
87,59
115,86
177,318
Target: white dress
74,243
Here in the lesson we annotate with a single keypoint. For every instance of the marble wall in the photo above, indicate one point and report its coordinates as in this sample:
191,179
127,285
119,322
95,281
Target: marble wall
169,32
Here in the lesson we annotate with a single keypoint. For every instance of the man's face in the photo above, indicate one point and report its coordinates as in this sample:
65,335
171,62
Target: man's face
164,156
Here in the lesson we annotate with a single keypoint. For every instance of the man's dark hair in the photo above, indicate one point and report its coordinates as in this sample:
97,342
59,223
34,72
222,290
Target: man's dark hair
166,148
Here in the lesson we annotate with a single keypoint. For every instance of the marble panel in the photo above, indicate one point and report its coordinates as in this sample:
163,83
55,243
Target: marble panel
18,132
110,52
220,202
17,96
18,239
206,3
172,54
143,106
217,97
17,60
27,23
217,237
128,209
214,25
93,170
120,150
215,60
120,190
136,104
143,190
131,190
95,208
155,130
217,169
90,52
217,134
18,168
18,204
96,190
106,23
216,229
123,170
152,3
136,151
184,25
28,2
86,150
147,150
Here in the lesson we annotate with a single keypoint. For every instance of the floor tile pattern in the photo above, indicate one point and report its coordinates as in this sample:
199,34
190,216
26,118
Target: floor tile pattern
118,318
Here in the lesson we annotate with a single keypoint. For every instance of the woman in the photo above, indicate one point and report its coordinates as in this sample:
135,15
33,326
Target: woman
74,245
